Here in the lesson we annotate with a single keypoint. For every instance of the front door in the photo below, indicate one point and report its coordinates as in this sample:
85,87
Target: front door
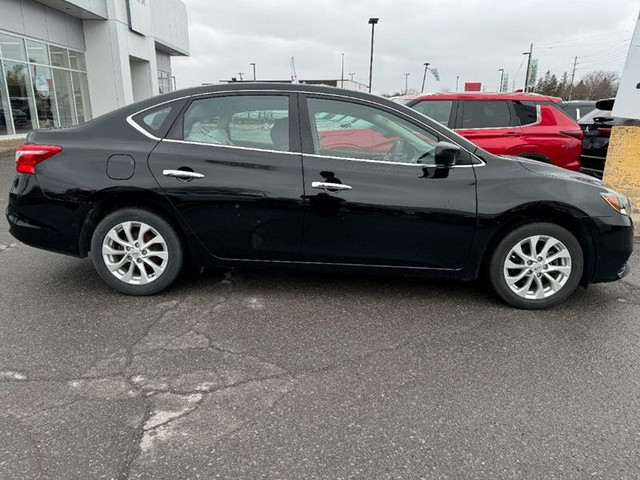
377,198
230,167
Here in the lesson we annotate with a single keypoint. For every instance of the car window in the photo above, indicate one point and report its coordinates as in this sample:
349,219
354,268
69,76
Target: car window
377,135
439,110
526,111
250,121
485,114
595,113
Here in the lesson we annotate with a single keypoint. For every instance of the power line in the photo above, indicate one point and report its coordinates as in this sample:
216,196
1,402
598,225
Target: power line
583,38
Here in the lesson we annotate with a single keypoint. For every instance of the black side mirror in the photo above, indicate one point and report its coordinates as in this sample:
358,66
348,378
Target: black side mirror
447,154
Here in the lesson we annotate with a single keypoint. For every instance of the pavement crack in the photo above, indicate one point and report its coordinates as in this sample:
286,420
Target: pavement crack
136,443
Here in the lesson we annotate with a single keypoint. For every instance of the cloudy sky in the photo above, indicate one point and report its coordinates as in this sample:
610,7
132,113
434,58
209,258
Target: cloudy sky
471,39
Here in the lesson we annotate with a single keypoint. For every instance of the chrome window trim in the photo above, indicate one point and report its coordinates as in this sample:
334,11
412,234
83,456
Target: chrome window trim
289,92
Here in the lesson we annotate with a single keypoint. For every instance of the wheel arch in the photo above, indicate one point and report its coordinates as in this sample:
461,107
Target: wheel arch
562,215
144,199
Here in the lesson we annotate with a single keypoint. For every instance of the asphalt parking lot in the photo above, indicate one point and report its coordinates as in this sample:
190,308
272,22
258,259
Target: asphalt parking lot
269,374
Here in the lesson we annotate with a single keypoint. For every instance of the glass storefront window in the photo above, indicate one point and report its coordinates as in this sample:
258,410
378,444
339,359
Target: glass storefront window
76,60
64,96
59,57
37,52
12,48
20,96
81,94
45,100
4,108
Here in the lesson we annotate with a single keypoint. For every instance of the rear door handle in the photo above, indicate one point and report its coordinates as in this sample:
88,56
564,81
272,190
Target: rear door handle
330,186
182,174
511,134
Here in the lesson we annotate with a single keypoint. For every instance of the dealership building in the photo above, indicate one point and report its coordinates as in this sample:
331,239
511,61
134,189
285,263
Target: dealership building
65,62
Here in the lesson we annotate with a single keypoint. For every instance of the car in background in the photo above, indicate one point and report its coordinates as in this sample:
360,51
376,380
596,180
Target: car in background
577,109
596,126
522,124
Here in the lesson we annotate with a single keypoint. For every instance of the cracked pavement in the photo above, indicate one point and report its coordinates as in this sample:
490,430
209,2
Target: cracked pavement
280,374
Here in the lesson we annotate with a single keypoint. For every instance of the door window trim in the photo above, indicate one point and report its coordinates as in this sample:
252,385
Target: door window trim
512,116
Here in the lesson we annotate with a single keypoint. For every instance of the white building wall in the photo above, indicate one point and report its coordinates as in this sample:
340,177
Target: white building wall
41,22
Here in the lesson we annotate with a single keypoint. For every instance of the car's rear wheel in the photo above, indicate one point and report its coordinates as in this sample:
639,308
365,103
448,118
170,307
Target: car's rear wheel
536,266
136,251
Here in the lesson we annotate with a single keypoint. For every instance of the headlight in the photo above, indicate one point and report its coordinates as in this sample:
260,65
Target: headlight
618,202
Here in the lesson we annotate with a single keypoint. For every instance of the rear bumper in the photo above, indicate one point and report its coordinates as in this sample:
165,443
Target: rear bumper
613,246
41,222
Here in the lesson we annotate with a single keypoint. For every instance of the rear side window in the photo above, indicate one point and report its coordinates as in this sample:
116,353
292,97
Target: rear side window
249,121
439,110
527,112
485,114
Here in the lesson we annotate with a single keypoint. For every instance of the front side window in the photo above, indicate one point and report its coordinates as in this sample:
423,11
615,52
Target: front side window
350,130
250,121
485,114
439,110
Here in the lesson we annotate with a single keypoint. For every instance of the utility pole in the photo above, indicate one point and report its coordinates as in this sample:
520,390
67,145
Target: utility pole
406,83
457,80
342,73
526,78
573,76
254,71
424,77
501,70
372,21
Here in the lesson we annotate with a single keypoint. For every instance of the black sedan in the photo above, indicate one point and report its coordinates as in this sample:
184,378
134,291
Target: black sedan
281,174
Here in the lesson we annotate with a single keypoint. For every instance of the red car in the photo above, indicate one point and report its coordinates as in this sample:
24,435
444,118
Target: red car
524,124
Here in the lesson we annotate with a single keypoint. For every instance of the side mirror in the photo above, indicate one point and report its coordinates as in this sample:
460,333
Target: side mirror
447,154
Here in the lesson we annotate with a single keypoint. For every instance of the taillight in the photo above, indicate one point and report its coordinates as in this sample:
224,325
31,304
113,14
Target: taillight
573,133
28,156
604,130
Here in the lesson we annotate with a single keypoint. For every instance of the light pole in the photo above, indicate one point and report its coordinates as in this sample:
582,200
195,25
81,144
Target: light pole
526,78
406,83
424,77
240,75
254,71
351,75
457,80
342,73
372,21
501,70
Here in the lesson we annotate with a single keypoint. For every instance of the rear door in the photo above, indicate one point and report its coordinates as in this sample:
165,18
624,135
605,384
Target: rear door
490,124
232,168
375,206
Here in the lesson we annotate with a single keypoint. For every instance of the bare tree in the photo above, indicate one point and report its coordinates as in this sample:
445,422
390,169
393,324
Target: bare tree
598,84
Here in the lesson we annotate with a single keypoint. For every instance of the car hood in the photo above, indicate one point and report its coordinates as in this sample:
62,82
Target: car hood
544,169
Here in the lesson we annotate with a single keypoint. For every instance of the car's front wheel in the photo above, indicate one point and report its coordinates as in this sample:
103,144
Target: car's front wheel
536,266
136,251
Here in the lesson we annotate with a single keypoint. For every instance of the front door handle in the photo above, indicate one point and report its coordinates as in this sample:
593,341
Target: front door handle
330,186
182,174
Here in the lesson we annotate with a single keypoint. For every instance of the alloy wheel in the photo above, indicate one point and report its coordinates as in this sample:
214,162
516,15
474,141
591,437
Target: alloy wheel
537,267
135,253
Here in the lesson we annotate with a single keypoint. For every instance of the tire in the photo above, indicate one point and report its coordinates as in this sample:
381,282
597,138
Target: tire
532,283
138,270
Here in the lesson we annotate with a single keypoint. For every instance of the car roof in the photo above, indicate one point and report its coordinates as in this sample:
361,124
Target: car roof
487,96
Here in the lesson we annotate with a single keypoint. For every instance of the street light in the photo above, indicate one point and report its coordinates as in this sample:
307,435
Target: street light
424,77
406,83
501,70
457,80
351,74
254,71
372,22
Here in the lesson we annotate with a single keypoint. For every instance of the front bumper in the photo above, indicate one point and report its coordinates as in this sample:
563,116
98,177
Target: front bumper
613,245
